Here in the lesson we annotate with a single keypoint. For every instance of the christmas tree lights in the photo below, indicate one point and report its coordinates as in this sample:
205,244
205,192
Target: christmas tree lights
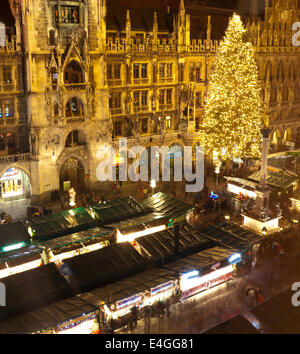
233,108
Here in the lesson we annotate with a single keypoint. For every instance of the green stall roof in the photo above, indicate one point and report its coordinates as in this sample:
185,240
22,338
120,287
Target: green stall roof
63,223
279,180
232,236
104,266
77,239
118,210
33,289
48,317
13,234
167,205
160,246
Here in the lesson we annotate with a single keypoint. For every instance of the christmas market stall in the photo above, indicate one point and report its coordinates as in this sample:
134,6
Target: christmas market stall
167,205
204,270
75,244
282,183
165,246
20,260
104,266
237,238
45,228
117,210
13,237
33,289
73,315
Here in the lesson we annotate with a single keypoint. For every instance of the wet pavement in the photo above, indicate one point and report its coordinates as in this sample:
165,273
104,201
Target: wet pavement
210,308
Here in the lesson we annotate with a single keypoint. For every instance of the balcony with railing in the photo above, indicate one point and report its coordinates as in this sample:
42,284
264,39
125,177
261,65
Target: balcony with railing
10,44
15,158
76,87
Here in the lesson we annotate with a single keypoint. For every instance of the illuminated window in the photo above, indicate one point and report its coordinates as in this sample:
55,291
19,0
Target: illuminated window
6,109
74,107
6,75
168,122
66,14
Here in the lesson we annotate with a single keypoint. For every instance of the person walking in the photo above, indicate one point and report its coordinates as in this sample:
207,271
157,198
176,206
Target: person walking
134,315
161,315
147,319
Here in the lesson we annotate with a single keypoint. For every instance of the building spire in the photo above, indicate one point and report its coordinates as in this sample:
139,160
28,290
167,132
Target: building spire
181,12
208,37
128,26
155,26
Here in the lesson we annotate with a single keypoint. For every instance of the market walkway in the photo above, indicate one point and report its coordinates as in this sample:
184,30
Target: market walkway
206,310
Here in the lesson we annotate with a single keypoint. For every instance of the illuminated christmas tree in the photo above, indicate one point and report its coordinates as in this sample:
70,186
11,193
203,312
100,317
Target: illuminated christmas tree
233,108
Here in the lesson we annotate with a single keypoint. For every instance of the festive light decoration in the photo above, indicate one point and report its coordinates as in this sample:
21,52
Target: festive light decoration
233,108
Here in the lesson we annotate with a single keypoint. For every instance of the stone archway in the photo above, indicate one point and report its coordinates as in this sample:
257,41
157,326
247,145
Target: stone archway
15,192
72,174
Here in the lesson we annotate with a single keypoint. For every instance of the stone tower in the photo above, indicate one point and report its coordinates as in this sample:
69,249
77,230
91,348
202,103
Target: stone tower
64,45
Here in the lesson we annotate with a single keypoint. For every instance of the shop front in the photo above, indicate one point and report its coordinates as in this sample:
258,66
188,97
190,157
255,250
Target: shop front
14,185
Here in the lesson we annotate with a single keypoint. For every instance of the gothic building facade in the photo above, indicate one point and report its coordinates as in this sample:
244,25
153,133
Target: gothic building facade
73,82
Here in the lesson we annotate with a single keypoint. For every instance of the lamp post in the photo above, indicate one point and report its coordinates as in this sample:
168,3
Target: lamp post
217,171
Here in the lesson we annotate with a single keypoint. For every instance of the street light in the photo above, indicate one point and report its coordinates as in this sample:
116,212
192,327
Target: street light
217,170
153,185
264,231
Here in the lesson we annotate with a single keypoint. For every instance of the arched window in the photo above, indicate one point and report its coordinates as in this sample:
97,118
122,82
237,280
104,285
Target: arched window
74,108
54,77
73,73
75,138
52,37
56,110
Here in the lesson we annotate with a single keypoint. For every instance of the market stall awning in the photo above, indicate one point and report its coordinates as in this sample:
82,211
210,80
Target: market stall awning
78,239
33,289
276,178
167,205
48,317
13,236
21,256
138,223
60,224
230,235
118,210
203,260
112,263
160,246
131,286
